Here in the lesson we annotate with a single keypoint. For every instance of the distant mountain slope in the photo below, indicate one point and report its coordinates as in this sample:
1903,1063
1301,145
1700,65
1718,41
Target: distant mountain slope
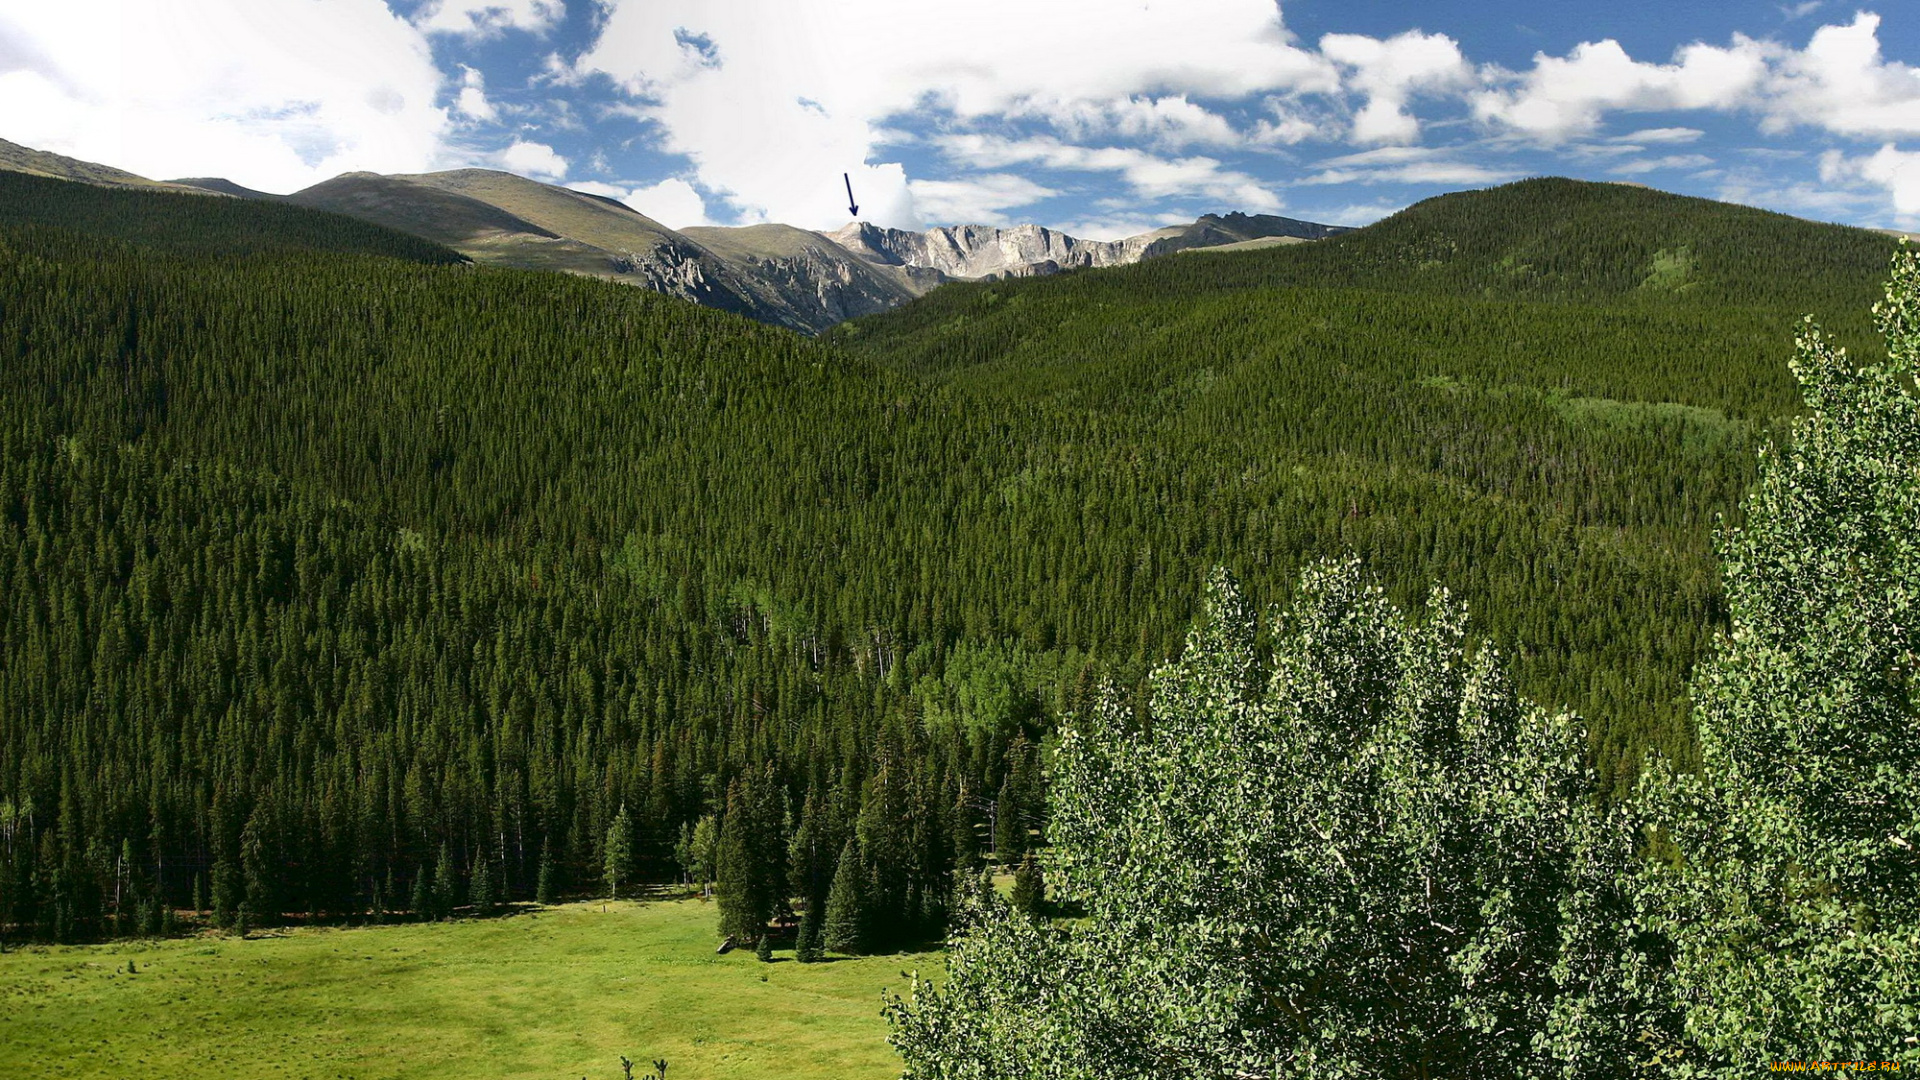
17,158
177,219
807,281
220,185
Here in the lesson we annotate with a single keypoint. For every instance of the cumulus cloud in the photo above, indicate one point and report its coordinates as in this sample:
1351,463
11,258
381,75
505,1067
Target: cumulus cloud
1894,170
483,18
472,102
1839,83
1390,71
1842,84
982,199
1565,97
672,202
275,94
772,99
533,159
1150,176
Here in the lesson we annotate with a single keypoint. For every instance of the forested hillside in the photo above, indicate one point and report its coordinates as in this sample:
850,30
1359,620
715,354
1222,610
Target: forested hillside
1541,395
340,582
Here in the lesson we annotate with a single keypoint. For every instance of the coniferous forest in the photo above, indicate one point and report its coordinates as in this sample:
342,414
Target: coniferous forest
341,579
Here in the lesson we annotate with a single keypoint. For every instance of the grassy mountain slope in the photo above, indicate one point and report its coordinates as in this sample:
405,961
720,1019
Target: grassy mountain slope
194,223
17,158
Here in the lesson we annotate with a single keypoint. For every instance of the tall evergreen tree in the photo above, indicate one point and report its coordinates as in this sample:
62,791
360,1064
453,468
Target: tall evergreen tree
844,929
617,853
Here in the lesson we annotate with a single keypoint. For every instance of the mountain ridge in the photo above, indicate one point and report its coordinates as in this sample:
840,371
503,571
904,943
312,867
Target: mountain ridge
802,279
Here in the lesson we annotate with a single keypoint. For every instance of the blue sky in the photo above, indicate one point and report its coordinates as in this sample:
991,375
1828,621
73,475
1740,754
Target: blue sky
1101,117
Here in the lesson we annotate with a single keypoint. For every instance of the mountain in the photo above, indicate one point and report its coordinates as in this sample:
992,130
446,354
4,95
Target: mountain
185,221
325,566
806,281
221,186
17,158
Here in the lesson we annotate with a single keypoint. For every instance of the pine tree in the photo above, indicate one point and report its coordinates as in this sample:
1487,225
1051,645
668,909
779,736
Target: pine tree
446,884
227,892
480,889
1029,888
764,951
746,903
422,903
544,886
807,946
617,861
844,929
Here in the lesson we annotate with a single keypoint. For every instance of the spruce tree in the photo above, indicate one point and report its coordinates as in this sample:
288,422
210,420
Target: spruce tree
764,951
845,927
544,885
1029,889
807,945
480,889
422,902
617,856
446,884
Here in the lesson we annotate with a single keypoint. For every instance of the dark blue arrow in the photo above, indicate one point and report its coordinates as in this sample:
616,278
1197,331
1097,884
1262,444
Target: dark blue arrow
851,205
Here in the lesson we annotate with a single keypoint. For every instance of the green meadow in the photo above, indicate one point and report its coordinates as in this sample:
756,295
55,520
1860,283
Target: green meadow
557,992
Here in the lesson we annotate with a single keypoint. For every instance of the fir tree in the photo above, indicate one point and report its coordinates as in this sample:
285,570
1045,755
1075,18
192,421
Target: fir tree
617,856
1029,888
807,946
480,889
544,886
845,929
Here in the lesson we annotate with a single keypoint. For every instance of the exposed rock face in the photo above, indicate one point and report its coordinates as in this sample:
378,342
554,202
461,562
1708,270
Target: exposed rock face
777,274
982,251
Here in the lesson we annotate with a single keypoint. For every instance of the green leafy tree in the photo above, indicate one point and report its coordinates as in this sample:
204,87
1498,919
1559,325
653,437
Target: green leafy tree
617,854
1791,895
1372,861
706,851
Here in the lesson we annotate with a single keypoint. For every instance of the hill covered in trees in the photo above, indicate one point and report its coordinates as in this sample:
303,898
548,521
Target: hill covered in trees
352,582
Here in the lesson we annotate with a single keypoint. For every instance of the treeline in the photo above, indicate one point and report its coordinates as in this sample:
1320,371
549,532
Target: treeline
346,585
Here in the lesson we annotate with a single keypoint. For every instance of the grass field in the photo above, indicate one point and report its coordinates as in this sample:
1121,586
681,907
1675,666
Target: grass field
554,993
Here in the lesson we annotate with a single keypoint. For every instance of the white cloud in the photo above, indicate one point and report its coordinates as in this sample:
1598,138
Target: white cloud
1149,175
1894,170
773,99
481,18
1172,122
533,159
1840,83
1390,71
1563,97
1672,162
472,102
672,202
275,94
1665,135
1407,165
982,199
